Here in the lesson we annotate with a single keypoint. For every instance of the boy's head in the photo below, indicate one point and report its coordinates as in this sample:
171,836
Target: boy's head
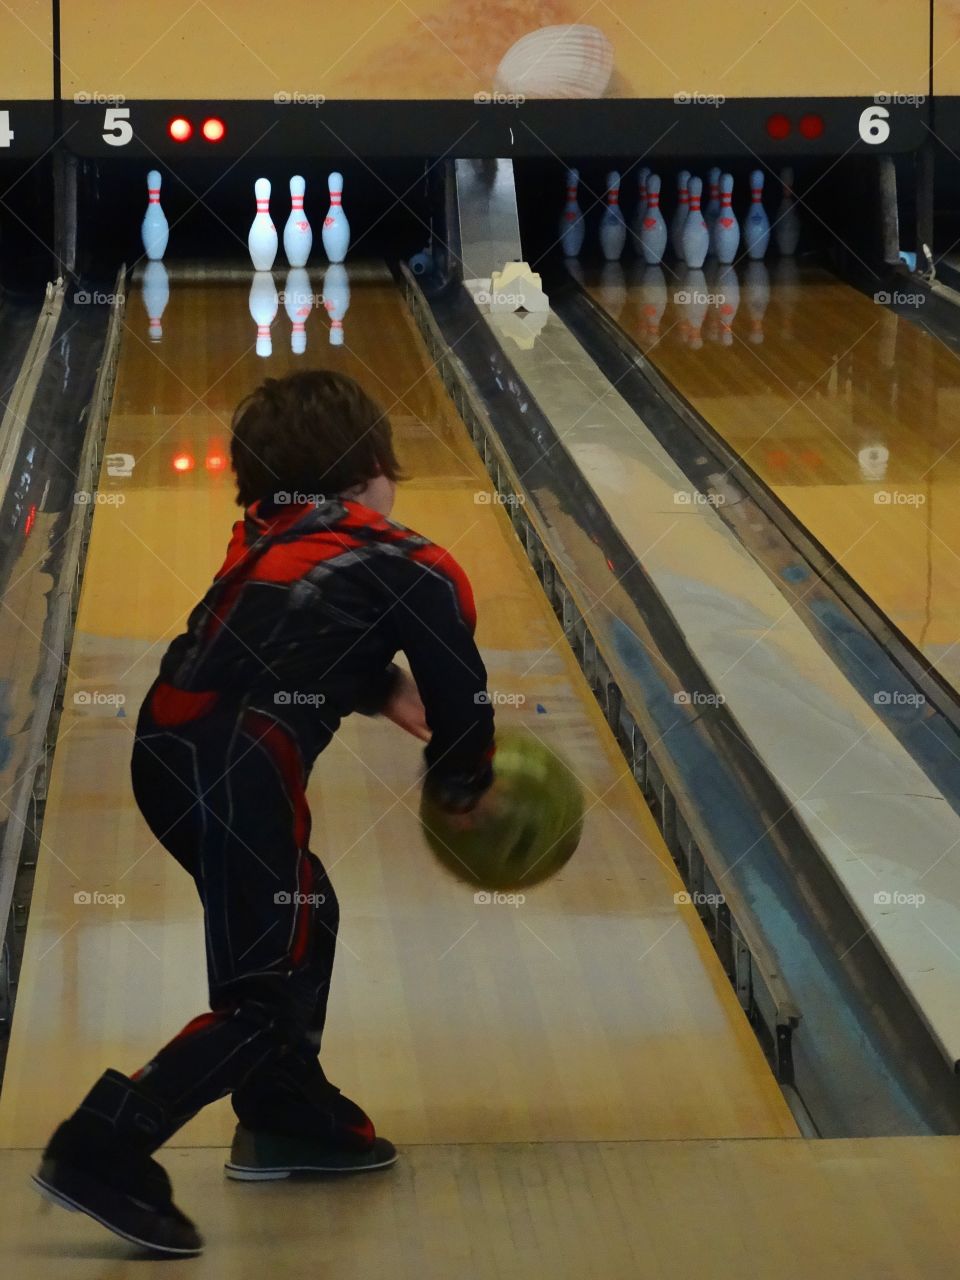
314,432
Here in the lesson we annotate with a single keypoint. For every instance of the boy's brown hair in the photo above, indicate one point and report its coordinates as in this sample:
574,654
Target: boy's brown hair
315,432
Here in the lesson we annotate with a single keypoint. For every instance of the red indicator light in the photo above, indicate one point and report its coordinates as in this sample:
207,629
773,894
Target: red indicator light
183,462
812,126
179,129
216,462
213,129
778,126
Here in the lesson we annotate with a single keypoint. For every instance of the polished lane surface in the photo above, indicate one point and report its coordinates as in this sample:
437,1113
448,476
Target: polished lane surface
594,1011
850,414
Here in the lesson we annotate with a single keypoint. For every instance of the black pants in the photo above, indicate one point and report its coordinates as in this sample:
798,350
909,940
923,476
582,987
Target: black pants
225,795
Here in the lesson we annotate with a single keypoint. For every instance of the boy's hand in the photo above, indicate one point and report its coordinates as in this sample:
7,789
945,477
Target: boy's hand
405,708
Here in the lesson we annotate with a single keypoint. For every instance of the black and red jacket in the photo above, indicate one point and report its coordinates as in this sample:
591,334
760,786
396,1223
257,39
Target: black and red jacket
303,621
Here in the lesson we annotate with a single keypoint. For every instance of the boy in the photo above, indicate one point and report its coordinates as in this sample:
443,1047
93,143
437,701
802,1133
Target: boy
316,596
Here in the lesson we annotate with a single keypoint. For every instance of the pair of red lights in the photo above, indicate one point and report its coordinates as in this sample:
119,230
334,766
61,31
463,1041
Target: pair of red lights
181,130
214,461
810,126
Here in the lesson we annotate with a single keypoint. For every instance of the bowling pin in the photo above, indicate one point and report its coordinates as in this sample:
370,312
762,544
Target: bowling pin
680,214
155,231
264,304
653,233
756,225
336,300
726,229
297,236
613,229
336,228
697,302
298,303
156,294
711,210
653,297
694,238
262,240
756,298
642,177
786,228
728,300
572,226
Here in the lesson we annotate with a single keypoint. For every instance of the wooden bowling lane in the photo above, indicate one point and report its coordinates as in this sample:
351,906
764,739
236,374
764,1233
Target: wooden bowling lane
595,1010
794,1209
850,414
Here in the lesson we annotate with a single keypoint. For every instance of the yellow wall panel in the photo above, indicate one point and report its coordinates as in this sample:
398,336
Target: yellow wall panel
26,50
435,49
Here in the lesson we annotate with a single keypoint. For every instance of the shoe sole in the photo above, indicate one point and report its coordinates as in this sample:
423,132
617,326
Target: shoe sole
72,1206
260,1173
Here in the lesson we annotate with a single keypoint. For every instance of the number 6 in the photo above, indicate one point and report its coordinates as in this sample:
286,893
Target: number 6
873,125
117,129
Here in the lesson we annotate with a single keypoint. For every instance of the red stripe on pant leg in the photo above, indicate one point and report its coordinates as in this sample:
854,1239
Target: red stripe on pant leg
301,929
199,1023
286,756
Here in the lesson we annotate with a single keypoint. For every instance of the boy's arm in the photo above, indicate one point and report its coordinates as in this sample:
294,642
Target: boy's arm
435,618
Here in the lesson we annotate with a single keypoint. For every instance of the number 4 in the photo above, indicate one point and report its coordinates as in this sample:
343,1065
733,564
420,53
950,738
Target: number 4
6,133
117,129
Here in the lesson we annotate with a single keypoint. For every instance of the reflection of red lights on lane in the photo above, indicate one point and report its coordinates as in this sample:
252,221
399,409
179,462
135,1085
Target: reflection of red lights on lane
183,462
215,461
29,522
778,458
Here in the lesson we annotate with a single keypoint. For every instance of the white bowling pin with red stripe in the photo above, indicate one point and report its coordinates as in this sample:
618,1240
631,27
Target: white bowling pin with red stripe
336,228
726,229
262,240
613,229
297,235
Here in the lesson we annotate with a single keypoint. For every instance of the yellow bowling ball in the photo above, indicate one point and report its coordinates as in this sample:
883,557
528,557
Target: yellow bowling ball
524,830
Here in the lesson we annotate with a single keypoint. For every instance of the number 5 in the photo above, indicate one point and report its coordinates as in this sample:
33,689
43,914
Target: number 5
117,129
873,125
